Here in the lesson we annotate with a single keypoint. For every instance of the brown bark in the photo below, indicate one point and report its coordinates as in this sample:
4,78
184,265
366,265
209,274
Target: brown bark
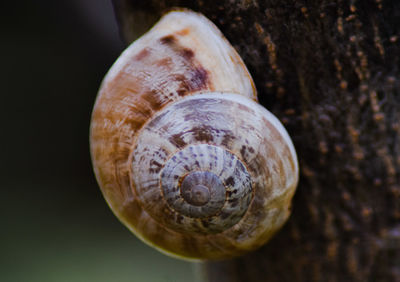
330,70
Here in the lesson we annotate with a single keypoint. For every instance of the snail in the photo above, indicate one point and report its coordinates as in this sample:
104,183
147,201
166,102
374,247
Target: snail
184,155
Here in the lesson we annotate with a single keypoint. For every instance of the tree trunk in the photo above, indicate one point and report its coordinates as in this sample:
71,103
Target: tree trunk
330,71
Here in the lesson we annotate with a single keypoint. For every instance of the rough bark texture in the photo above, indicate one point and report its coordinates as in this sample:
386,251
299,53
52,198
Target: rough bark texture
330,70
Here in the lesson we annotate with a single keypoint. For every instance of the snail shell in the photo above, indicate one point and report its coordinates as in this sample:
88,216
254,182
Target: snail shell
184,155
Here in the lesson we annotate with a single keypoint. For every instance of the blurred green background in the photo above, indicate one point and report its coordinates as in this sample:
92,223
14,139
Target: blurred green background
55,224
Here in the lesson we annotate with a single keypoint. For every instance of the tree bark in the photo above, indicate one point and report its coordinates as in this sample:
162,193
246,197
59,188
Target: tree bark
330,71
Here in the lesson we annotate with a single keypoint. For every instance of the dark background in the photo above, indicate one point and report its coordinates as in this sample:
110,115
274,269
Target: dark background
55,224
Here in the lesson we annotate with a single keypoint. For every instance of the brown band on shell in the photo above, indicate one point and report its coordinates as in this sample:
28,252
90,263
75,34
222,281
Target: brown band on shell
131,98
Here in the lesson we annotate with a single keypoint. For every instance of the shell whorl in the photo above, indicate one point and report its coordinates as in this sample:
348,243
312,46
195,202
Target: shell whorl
218,175
188,165
209,171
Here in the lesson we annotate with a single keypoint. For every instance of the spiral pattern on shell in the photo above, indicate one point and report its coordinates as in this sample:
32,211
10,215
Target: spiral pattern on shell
184,155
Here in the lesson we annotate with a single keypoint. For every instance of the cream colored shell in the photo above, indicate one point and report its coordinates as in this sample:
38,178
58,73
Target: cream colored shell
184,155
